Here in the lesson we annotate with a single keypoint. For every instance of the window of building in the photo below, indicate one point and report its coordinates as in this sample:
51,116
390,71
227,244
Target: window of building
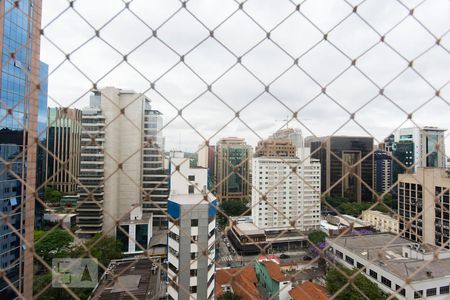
349,260
191,177
191,189
418,294
339,254
373,274
194,255
444,290
431,292
359,265
193,289
386,281
193,272
400,290
194,222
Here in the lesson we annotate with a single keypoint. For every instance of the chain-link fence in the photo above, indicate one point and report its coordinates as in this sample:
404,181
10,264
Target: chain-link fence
333,185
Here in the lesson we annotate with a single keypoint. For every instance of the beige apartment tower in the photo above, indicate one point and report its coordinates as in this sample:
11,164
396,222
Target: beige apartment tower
123,165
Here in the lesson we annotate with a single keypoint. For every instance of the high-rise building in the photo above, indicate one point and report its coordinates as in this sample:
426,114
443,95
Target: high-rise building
386,145
233,168
402,160
341,158
290,187
275,148
382,170
22,98
92,171
291,134
429,145
155,175
63,149
423,206
191,243
127,171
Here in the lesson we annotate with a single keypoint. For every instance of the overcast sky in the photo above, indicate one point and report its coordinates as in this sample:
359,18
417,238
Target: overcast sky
299,88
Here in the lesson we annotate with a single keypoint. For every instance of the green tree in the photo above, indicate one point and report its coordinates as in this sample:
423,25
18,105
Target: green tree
335,280
56,244
229,296
231,208
317,236
51,195
101,247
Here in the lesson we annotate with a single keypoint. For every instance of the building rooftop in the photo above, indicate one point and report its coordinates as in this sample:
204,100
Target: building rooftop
139,277
249,229
308,291
190,198
386,250
243,281
274,271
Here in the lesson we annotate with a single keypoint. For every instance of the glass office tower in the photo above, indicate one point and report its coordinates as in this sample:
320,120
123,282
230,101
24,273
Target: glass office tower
22,98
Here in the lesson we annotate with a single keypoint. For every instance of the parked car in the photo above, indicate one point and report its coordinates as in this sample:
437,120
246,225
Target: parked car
306,257
284,256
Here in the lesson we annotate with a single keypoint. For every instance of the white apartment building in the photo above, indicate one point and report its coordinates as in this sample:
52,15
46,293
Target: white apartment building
191,247
389,260
429,145
185,179
291,186
381,221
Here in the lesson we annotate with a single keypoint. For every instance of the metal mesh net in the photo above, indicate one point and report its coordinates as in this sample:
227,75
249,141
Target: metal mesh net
213,69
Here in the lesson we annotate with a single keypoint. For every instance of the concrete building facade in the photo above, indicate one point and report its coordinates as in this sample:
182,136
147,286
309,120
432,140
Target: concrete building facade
207,159
290,192
423,206
191,247
124,153
185,179
398,266
155,175
381,221
92,171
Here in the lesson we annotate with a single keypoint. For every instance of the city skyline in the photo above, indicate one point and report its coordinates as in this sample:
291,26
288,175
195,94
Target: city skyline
224,149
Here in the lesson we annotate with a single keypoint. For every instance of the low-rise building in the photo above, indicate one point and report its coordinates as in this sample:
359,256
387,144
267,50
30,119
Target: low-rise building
398,266
270,277
130,278
248,239
381,221
240,281
308,291
67,220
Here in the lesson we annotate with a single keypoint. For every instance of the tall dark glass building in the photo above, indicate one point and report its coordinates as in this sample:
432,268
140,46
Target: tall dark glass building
340,155
22,101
